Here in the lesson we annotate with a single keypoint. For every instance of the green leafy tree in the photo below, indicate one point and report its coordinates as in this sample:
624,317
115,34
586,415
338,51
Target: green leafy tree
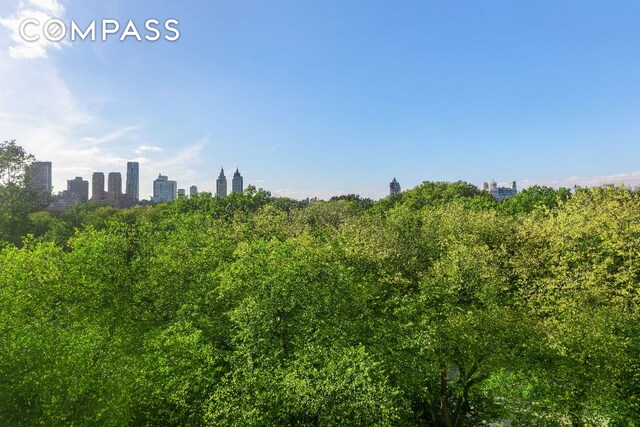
17,201
534,198
362,203
14,161
438,307
578,272
430,194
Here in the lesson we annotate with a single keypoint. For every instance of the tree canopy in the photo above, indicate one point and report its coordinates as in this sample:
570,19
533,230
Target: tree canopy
438,307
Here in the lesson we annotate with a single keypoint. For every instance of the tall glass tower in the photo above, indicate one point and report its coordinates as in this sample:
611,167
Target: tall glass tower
133,180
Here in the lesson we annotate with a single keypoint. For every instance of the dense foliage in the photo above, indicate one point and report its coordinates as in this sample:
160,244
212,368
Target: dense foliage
16,200
439,307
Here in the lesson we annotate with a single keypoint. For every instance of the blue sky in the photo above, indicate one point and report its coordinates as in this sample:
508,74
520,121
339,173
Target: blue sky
315,98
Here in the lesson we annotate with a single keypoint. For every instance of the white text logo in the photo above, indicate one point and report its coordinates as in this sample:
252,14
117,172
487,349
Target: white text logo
56,30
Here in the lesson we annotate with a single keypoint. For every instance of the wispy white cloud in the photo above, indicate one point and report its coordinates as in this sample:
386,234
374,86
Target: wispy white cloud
184,160
182,165
144,148
116,135
40,10
53,7
40,111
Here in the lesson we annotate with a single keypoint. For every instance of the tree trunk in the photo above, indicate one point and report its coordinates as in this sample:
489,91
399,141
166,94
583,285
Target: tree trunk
444,400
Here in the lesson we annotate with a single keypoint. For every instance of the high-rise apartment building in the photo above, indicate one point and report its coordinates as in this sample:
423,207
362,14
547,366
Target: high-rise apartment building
193,191
133,181
394,188
97,187
40,177
78,189
182,192
237,183
221,185
114,191
164,190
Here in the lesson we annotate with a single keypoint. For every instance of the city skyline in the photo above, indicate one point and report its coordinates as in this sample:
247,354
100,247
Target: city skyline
326,99
78,188
43,171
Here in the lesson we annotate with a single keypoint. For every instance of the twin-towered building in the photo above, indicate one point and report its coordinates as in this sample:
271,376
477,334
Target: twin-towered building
165,190
237,183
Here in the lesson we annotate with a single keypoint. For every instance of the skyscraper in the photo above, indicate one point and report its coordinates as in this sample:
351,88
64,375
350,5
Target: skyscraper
97,187
164,190
221,184
133,180
114,192
40,177
394,187
237,183
182,192
78,189
193,191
